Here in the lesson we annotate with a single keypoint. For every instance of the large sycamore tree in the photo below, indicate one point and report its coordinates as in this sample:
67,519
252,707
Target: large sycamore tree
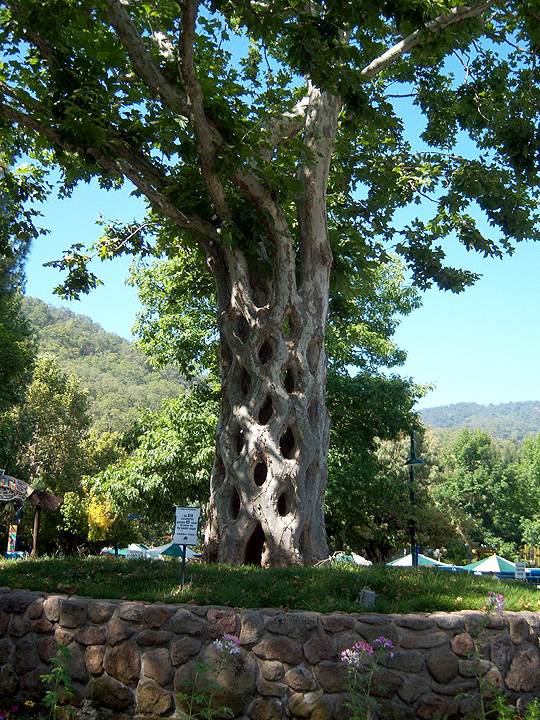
266,138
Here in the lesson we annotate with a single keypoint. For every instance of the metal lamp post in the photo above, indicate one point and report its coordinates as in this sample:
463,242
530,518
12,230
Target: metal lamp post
413,462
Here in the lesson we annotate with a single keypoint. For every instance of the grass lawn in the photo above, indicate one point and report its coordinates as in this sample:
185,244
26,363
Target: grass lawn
323,589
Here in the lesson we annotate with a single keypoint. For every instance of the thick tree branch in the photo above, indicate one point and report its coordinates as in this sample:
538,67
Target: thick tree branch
208,138
21,97
321,128
279,234
458,14
130,170
115,140
203,132
145,66
284,127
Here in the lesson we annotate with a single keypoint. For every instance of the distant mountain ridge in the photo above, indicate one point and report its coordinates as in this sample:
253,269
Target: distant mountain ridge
514,420
119,380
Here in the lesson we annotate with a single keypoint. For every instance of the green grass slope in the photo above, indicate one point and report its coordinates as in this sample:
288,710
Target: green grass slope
328,588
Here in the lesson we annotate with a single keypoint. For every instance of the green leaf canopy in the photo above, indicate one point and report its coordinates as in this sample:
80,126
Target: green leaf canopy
95,89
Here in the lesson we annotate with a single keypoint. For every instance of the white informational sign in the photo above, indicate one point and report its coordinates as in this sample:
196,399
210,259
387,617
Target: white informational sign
135,551
519,572
186,525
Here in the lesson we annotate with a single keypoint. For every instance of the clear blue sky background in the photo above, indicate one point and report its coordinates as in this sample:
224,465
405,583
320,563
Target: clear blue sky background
480,346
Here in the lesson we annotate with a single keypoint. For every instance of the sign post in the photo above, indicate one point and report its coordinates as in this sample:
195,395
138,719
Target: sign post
519,572
186,528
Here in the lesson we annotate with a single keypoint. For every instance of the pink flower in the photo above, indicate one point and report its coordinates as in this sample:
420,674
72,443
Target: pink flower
364,647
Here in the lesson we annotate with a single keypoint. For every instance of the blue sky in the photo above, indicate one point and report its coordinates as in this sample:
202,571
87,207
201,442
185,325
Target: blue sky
73,220
480,346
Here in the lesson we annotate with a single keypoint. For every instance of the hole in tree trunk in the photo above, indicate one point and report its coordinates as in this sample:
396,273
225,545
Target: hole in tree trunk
292,325
287,444
245,382
282,504
266,352
242,329
239,441
287,327
260,473
265,413
254,547
235,504
288,380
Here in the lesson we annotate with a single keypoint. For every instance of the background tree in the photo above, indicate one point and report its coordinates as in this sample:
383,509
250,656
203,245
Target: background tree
18,346
485,492
367,488
529,468
54,446
169,460
16,233
368,502
272,167
15,367
54,419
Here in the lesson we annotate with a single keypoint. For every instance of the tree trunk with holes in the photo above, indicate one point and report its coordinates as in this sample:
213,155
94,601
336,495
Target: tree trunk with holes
269,475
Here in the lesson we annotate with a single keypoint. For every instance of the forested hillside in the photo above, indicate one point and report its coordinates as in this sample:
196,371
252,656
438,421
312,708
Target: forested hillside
119,380
514,421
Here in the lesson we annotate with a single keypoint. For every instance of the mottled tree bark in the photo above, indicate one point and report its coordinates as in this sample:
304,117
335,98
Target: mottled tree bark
269,475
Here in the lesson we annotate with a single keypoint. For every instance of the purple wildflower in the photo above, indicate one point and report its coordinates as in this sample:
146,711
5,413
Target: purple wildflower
351,657
384,643
495,600
227,644
358,654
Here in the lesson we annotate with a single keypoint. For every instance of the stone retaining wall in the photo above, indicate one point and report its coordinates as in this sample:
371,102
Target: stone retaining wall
131,659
